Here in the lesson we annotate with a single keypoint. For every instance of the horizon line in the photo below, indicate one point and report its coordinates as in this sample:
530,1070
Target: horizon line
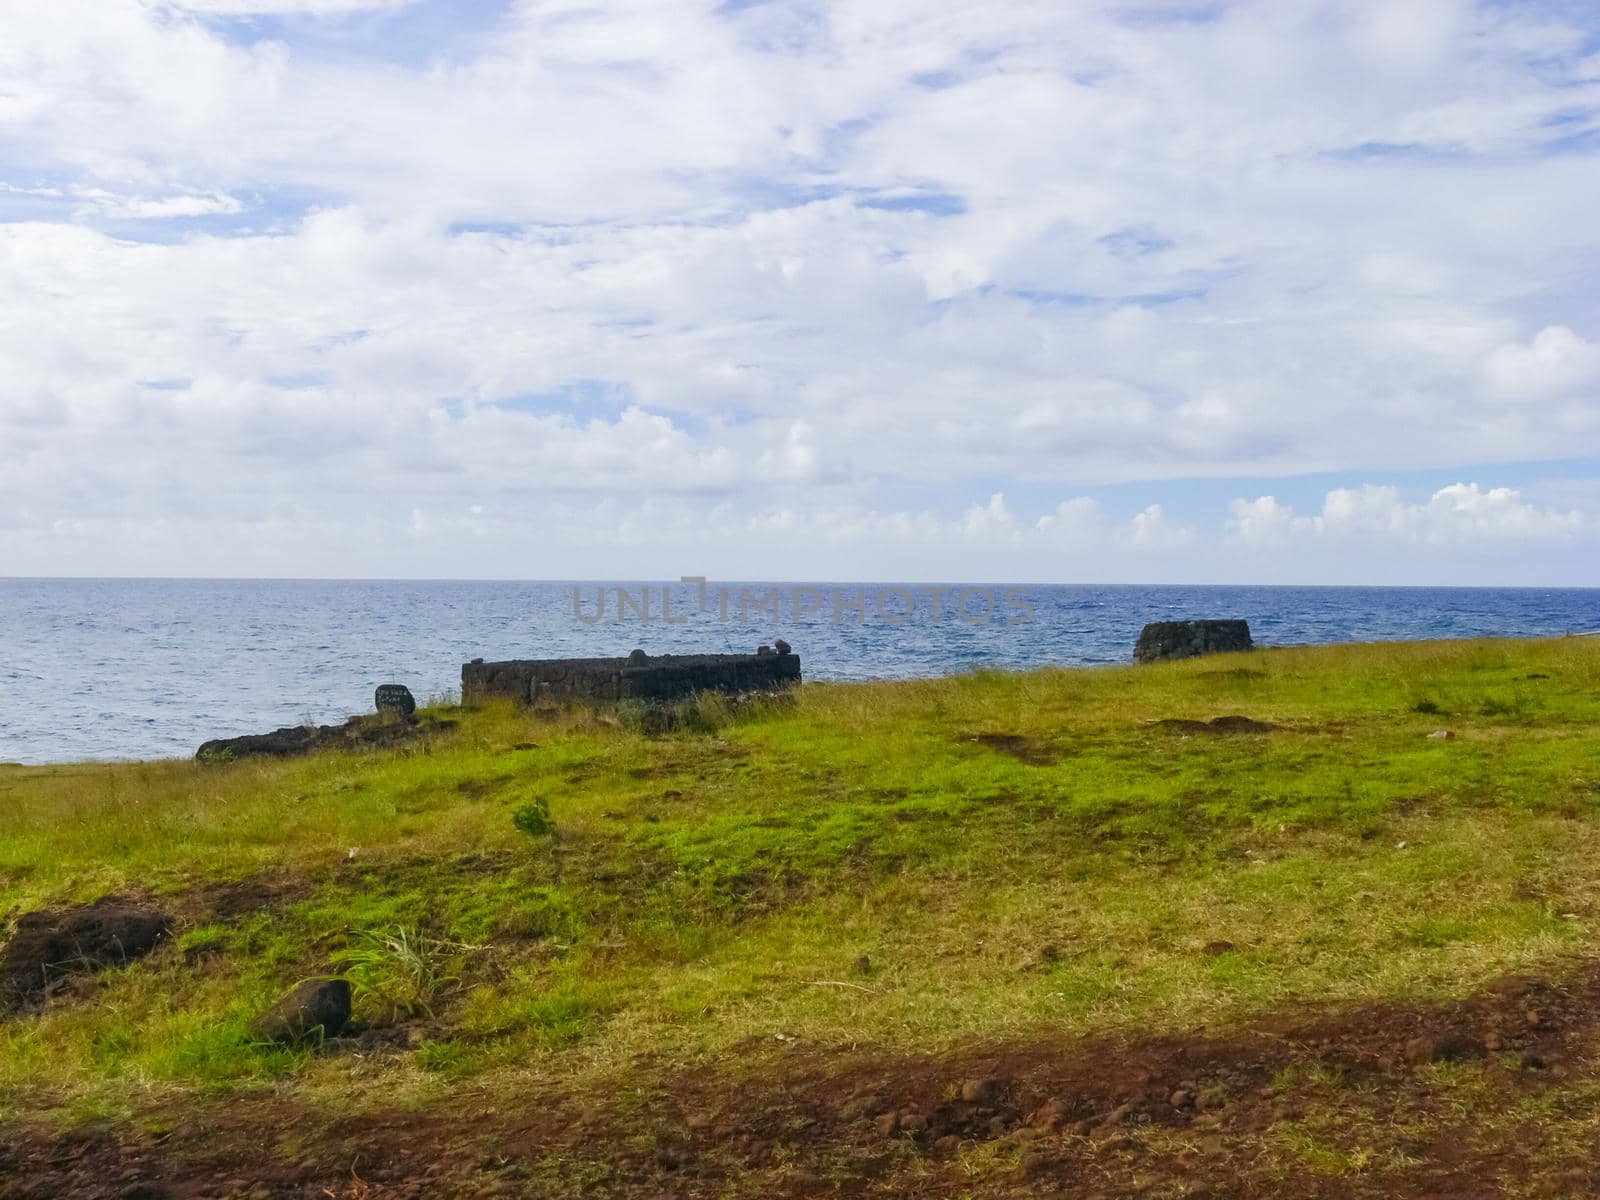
618,581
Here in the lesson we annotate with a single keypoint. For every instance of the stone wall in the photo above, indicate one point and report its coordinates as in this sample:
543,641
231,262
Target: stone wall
637,677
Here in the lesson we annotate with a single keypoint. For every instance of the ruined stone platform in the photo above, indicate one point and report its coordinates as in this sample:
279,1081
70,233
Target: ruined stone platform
636,677
1162,640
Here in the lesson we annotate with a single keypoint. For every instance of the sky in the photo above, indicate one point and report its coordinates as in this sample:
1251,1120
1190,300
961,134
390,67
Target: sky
1022,290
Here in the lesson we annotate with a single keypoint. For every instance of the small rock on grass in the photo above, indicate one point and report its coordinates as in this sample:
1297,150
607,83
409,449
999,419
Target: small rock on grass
1049,1116
897,1121
866,1105
981,1091
317,1009
1448,1048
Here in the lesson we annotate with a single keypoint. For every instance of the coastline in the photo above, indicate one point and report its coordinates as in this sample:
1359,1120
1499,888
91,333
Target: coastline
1062,917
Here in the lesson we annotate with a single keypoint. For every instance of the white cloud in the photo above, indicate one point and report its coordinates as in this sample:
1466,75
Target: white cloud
1082,523
1152,529
1460,515
1265,524
263,7
991,523
867,258
1460,529
1076,522
139,208
1556,363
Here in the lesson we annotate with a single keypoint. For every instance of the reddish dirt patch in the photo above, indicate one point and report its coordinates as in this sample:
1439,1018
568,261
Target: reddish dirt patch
48,947
1194,1116
227,901
1019,747
1229,724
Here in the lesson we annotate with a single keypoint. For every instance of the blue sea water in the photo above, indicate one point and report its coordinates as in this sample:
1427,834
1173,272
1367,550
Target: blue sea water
150,668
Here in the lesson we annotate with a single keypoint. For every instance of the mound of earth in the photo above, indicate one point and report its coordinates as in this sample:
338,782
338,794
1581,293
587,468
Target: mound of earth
52,944
1019,747
1228,724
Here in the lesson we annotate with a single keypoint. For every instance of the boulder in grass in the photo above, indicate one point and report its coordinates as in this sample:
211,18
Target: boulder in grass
1163,640
316,1009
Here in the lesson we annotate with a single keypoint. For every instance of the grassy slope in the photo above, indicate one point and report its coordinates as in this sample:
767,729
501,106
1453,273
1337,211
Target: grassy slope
858,869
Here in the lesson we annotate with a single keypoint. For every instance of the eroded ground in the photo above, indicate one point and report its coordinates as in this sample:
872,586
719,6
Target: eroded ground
1359,1102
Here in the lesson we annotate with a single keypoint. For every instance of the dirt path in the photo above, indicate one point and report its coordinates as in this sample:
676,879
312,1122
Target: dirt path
1381,1101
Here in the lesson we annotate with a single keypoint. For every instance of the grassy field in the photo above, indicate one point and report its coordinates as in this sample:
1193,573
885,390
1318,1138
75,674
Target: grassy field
982,875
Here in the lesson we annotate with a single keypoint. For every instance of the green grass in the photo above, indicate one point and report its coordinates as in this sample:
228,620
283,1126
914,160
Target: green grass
1009,854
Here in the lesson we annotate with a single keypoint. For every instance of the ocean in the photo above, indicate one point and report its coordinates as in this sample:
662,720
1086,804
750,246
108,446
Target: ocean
150,668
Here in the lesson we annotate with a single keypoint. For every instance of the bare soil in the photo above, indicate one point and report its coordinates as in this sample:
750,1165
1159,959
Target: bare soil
1229,724
1194,1115
1023,749
49,947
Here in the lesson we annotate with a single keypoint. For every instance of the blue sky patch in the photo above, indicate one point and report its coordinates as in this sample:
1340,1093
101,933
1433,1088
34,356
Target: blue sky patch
935,204
1145,15
412,35
298,381
509,229
583,400
1134,243
1400,151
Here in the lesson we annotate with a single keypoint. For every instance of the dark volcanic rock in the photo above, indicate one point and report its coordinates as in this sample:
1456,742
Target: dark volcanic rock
52,944
280,743
1162,640
656,677
377,731
395,698
317,1009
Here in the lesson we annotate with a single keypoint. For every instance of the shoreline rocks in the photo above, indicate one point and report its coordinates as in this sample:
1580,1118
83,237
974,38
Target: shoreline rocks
379,732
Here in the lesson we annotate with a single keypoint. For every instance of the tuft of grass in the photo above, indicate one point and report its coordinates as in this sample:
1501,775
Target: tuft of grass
533,818
397,973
